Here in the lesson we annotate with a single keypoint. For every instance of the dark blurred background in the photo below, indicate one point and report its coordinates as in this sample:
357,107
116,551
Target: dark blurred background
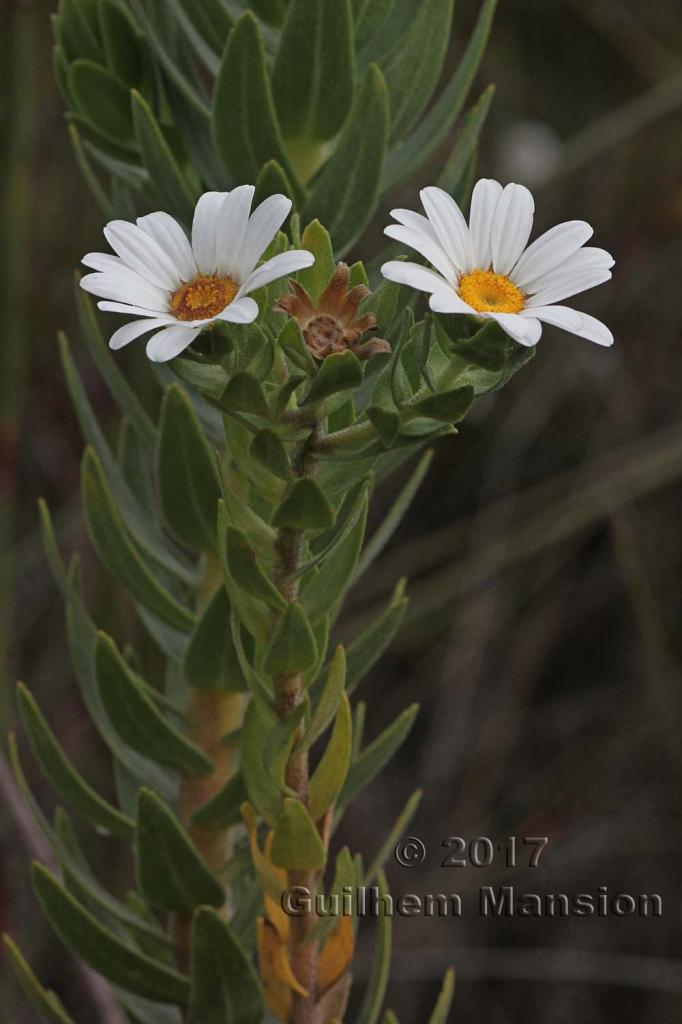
544,549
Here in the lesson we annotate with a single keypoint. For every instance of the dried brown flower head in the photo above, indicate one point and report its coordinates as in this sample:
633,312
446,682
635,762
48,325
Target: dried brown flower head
333,324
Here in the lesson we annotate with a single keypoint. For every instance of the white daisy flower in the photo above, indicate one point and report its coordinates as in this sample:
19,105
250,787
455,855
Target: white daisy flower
487,268
178,288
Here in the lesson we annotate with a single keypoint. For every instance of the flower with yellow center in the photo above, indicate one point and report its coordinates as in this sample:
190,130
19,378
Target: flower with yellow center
487,269
177,286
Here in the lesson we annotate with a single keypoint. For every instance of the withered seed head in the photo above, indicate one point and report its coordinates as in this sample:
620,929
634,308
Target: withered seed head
333,325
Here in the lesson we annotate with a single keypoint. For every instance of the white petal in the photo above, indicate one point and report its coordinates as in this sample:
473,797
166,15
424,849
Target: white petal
133,330
102,261
126,307
582,324
483,204
264,223
231,228
170,342
282,265
426,245
511,227
525,330
204,231
549,250
142,253
449,302
125,285
568,284
241,311
416,276
585,259
412,219
450,226
172,239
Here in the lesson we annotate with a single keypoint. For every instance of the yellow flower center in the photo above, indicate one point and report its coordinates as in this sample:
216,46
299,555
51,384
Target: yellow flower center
489,292
203,297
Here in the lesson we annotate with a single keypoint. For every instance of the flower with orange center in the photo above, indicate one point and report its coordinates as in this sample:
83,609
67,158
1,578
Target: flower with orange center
332,324
486,268
178,286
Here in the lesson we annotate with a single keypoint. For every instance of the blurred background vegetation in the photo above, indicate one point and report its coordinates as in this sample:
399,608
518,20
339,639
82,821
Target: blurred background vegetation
544,549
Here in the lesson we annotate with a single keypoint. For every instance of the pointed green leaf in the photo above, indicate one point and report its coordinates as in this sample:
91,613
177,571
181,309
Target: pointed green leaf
76,25
279,744
296,843
442,1007
268,448
330,774
374,757
246,571
244,123
399,829
413,67
327,705
338,372
263,793
121,41
225,986
293,648
487,348
171,873
167,180
117,552
304,508
62,774
271,181
108,955
464,148
102,98
224,809
290,340
345,194
322,593
189,488
211,661
45,1003
244,394
136,718
370,1008
366,649
386,423
446,406
407,156
317,36
314,279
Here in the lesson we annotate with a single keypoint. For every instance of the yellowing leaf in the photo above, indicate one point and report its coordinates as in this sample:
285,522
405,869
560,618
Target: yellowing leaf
336,954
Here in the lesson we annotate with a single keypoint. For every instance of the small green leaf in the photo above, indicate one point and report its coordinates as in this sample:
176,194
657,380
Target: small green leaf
76,25
345,194
102,99
312,101
116,549
62,774
211,661
290,340
279,744
45,1003
304,508
296,843
244,123
225,986
330,774
322,593
171,873
358,275
263,793
487,348
246,571
339,372
272,180
442,1007
446,406
224,809
167,180
385,422
136,718
366,649
189,488
374,757
293,648
108,955
327,705
244,394
314,279
268,448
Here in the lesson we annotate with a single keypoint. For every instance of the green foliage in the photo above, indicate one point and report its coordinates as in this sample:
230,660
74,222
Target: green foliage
211,661
45,1003
331,772
296,842
293,648
224,983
